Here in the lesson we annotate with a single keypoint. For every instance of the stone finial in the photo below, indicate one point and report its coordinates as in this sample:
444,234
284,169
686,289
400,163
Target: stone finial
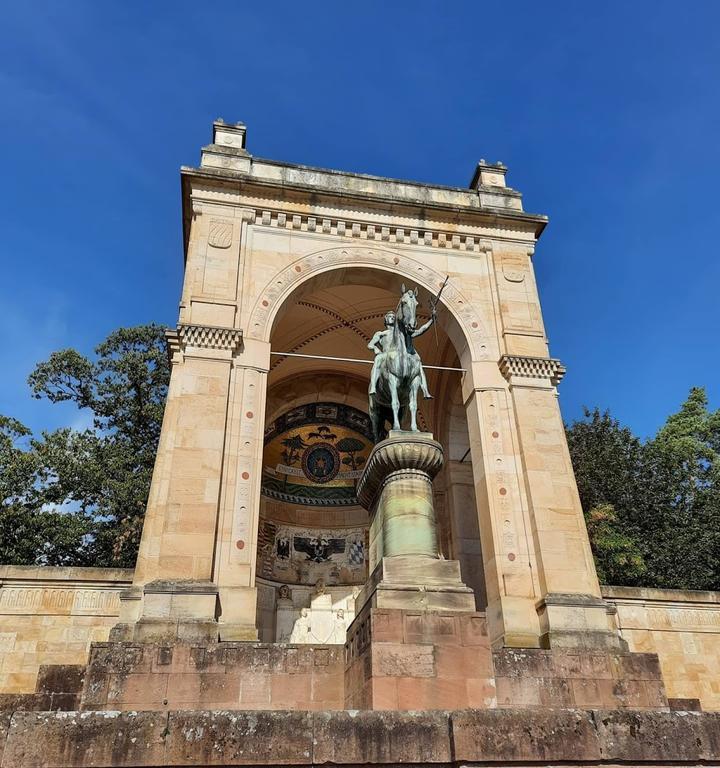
229,135
488,175
227,151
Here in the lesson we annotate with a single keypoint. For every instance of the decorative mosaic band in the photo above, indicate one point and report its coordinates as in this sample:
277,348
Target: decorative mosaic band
209,337
532,368
364,231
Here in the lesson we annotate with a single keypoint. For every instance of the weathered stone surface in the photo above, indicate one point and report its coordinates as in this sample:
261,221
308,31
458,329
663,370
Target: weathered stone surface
85,739
357,738
4,726
239,738
60,678
11,702
567,677
231,676
685,705
686,737
524,736
225,738
403,660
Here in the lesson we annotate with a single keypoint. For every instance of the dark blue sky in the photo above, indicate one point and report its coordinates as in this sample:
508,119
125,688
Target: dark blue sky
607,114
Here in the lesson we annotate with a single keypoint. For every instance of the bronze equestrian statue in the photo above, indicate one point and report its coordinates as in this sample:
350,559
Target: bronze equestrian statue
397,372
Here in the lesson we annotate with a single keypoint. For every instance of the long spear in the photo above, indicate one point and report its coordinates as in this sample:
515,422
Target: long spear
433,306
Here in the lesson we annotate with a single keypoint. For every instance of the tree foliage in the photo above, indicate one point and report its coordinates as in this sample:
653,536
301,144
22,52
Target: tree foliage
82,494
652,508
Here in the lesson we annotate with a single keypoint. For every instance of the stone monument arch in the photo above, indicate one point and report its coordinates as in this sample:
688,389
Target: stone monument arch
296,557
281,253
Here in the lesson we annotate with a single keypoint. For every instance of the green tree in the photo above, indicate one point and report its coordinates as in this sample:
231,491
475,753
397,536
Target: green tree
680,485
653,508
31,530
618,557
105,471
607,459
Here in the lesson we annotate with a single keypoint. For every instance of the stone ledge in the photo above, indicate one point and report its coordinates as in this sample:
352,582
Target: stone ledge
50,573
227,738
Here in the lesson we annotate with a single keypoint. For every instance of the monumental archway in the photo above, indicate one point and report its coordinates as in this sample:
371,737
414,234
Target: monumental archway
364,571
266,245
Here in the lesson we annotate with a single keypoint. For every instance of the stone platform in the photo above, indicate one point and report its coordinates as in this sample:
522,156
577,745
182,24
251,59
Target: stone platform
512,737
393,660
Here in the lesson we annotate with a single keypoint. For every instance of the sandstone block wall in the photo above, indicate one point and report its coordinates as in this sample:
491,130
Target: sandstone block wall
51,615
130,676
683,628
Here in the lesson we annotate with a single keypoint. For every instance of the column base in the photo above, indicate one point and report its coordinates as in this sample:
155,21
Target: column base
513,623
577,621
167,611
416,583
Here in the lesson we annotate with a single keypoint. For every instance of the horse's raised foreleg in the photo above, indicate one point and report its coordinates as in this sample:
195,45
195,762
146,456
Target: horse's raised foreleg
395,401
412,402
375,414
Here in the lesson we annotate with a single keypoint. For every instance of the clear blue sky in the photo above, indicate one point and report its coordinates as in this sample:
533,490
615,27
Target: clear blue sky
607,114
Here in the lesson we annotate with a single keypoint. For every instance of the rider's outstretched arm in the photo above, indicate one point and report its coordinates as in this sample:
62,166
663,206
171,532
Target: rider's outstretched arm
423,328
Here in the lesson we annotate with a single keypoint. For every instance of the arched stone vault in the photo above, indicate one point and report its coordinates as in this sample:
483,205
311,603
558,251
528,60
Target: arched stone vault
375,266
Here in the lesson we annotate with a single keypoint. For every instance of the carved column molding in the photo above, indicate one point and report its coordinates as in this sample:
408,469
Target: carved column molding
202,337
209,337
520,370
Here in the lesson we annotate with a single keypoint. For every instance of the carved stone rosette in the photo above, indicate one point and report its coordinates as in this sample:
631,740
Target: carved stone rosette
396,488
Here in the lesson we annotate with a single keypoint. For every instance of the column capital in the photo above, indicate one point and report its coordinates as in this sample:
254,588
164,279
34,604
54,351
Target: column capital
202,340
522,370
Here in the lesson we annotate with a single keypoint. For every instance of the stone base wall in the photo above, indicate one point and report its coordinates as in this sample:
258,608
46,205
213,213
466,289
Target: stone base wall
572,677
130,676
680,626
51,616
405,660
513,737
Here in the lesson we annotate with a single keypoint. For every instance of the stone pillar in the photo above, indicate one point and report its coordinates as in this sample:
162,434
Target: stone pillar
570,608
174,593
236,537
406,569
507,548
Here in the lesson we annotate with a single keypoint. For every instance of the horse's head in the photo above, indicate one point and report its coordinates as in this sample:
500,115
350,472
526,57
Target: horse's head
407,308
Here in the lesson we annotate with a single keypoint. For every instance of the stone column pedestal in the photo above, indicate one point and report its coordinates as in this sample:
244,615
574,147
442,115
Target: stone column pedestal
173,611
406,571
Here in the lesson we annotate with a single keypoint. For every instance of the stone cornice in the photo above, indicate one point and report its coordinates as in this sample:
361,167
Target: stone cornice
483,201
476,206
519,367
364,230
